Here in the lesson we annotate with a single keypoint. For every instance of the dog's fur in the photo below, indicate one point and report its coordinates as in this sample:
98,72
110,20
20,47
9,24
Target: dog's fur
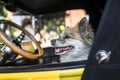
74,43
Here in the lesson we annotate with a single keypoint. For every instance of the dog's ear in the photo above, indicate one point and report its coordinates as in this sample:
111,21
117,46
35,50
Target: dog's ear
83,26
86,30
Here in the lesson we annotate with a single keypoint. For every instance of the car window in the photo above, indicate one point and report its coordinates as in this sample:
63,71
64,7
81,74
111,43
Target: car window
65,36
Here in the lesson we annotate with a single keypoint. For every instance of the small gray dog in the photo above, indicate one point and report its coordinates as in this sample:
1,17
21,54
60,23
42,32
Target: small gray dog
74,43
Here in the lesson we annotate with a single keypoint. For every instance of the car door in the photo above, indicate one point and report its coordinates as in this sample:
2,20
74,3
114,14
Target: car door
63,71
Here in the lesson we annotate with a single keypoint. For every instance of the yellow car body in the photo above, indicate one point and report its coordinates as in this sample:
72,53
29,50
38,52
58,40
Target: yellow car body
67,74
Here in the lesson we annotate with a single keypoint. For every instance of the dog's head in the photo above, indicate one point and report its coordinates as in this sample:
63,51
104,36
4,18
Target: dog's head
73,38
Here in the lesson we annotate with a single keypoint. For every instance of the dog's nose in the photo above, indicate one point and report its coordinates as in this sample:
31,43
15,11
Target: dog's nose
53,42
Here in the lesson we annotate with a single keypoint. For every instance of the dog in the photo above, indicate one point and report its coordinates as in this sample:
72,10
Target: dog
74,43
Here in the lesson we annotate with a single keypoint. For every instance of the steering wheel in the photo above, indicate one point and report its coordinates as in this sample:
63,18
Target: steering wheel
16,49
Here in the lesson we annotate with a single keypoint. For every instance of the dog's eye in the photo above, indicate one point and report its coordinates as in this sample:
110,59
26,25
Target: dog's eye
67,36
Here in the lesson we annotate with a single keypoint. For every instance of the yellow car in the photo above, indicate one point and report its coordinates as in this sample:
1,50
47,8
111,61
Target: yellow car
103,61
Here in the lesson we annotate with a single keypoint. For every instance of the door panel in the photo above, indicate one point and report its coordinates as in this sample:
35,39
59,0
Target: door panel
66,74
